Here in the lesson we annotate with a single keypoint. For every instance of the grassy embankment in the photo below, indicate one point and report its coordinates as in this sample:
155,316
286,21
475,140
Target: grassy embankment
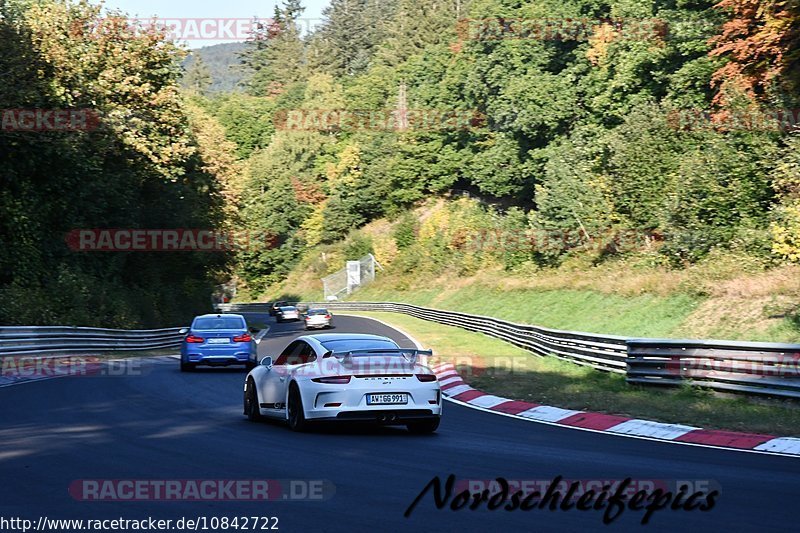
725,296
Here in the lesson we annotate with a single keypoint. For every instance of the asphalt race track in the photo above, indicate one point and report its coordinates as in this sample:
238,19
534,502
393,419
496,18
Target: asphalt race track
168,425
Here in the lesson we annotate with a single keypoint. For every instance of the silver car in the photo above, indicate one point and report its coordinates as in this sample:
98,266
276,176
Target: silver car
287,313
318,319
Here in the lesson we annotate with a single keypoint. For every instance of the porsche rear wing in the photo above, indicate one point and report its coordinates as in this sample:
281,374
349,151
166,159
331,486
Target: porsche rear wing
412,356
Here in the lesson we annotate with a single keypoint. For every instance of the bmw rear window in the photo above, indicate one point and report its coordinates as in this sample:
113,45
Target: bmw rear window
316,312
346,345
219,323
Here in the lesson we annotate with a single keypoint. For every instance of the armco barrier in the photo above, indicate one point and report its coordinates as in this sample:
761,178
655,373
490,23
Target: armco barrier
746,367
604,352
31,340
750,367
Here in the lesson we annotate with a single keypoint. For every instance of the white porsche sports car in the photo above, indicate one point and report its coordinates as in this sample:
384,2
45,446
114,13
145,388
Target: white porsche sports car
345,377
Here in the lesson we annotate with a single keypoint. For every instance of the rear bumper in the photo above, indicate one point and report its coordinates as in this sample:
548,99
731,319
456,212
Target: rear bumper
387,416
320,403
220,361
218,357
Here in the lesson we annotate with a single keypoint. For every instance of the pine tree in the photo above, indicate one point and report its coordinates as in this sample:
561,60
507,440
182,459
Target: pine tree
418,24
352,32
197,77
276,56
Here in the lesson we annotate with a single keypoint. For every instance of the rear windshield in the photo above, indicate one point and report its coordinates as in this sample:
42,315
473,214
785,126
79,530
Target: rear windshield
315,312
219,323
288,309
346,345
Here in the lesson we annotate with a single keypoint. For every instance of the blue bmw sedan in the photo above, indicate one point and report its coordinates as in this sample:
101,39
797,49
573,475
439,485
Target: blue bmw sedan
218,340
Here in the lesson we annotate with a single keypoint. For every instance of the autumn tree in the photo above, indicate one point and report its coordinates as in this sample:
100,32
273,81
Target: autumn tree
136,166
760,42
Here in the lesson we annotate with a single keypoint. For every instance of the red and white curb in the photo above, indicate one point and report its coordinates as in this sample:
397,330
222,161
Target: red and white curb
456,390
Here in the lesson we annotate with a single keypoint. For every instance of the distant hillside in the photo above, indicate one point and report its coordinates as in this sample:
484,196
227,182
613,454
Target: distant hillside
223,63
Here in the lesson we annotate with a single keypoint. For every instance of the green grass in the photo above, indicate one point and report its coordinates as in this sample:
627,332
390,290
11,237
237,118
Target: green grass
578,310
499,368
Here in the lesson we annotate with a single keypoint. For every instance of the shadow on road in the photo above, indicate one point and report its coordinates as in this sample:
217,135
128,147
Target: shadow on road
340,429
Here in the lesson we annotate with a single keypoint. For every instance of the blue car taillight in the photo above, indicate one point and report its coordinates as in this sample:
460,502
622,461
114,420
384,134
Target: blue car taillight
191,339
243,338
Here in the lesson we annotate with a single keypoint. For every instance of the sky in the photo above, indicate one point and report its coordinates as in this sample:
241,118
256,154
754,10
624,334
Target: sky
204,18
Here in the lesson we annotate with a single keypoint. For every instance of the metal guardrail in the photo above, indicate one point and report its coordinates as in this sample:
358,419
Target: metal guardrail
244,308
605,352
35,340
730,366
749,367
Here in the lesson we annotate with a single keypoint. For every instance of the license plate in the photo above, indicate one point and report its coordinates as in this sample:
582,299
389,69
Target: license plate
387,399
219,341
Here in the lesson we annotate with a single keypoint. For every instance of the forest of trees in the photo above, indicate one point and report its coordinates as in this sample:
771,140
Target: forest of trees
214,69
142,167
651,120
640,116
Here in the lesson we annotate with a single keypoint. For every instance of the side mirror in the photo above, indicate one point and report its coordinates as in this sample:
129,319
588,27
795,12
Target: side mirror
267,362
183,331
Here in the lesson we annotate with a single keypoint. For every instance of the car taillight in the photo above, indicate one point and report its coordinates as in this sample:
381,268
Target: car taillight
195,340
426,378
328,317
243,338
335,380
